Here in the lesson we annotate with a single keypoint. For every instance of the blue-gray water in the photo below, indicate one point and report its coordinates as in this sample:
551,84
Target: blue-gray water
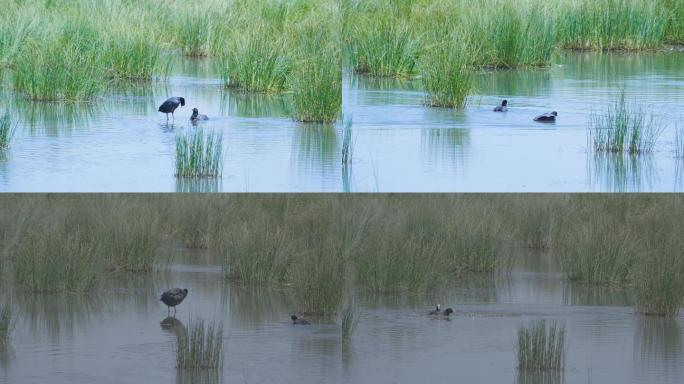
121,142
123,335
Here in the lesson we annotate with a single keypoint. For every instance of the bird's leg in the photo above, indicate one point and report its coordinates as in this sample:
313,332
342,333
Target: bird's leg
168,311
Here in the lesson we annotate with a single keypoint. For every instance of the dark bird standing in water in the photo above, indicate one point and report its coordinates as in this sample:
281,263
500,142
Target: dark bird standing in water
196,116
547,117
436,311
503,107
173,297
170,105
296,320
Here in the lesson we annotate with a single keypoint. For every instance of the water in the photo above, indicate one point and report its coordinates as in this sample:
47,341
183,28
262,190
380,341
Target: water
124,335
122,143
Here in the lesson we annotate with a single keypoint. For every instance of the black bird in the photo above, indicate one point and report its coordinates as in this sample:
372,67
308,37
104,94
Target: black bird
447,312
436,311
296,320
170,105
503,107
173,297
196,116
547,117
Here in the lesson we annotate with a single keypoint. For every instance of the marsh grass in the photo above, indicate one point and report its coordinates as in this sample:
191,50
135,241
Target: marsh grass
384,46
541,346
347,144
679,141
7,322
57,70
7,129
199,154
611,24
256,61
596,252
253,258
318,280
201,347
447,75
316,85
350,320
658,274
623,128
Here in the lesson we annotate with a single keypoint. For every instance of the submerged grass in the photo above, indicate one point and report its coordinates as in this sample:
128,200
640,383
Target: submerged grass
350,320
7,322
623,128
199,155
541,346
6,130
201,347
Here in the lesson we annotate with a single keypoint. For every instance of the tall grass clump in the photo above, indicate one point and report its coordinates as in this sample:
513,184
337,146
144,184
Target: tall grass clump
57,260
316,85
596,252
6,130
195,33
658,273
201,347
384,46
541,346
256,61
199,155
447,75
318,279
623,128
131,57
350,320
7,322
611,24
251,257
64,69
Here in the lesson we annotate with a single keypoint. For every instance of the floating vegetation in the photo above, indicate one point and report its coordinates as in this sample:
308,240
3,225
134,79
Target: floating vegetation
541,346
199,155
201,347
623,128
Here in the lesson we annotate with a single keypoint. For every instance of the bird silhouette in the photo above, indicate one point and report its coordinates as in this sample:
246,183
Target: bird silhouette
170,105
173,297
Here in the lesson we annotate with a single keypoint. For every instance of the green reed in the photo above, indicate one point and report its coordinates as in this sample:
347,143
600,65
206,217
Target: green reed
541,346
7,129
8,319
199,154
200,347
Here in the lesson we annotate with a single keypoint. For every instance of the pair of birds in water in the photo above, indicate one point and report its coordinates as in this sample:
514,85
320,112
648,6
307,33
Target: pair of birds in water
545,118
435,313
172,103
175,296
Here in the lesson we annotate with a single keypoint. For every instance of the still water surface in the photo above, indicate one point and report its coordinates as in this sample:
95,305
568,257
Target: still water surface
124,335
122,143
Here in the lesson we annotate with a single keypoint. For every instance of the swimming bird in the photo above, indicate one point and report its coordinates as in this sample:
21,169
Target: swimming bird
173,297
436,311
196,116
447,312
547,117
170,105
503,107
297,320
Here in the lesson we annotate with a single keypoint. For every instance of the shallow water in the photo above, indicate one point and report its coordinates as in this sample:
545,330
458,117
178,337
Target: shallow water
122,143
124,334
